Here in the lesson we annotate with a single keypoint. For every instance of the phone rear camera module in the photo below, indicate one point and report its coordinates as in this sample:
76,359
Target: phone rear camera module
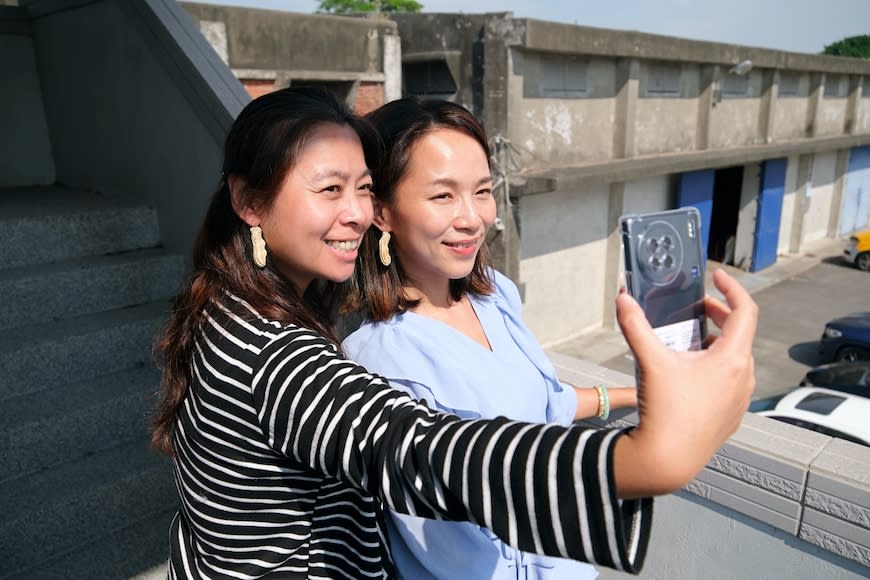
660,253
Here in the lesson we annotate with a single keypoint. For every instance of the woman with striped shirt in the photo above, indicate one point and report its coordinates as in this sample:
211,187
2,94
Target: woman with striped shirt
286,453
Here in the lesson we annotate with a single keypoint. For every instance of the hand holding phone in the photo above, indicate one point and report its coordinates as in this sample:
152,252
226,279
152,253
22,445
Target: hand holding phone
664,272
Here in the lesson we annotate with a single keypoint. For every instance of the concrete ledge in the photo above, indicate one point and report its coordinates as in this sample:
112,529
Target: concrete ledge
571,38
307,75
534,181
810,486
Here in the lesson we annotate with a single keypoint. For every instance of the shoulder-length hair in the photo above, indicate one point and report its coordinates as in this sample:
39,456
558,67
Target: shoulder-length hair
262,146
378,289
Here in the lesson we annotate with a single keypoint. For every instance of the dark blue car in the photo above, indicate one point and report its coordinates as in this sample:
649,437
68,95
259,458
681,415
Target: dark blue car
846,338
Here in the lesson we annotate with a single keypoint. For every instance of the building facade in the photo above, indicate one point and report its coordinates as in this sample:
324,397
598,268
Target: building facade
357,58
588,124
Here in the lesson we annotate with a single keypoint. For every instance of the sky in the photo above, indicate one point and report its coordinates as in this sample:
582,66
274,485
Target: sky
793,25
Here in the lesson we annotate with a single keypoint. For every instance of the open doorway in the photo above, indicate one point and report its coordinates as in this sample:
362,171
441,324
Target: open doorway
727,187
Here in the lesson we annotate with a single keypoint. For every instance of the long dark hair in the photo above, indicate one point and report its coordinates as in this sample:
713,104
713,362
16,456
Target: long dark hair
262,147
378,289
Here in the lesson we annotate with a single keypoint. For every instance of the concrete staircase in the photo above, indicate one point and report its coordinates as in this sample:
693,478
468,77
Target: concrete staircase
84,288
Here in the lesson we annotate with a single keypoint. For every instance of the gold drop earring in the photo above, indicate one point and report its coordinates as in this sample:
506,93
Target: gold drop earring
259,246
384,249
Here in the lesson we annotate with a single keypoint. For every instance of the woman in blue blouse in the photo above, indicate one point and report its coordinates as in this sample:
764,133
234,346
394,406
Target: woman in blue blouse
446,327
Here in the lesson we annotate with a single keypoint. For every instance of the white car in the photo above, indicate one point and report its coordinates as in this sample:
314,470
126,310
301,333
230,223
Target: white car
825,411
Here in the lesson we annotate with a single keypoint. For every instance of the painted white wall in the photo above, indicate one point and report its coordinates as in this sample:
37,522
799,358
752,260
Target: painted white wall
562,261
788,205
820,197
651,194
25,147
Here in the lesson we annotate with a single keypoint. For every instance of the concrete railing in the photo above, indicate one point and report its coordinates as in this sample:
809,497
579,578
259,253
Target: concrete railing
776,501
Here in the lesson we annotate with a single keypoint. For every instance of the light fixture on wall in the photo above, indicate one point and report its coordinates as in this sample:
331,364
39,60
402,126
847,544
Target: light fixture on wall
741,68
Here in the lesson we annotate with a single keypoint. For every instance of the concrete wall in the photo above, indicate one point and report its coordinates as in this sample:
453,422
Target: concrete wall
734,122
745,242
276,40
651,194
696,538
564,262
818,211
788,205
455,37
790,118
561,130
133,115
25,146
862,118
358,58
564,240
831,113
665,125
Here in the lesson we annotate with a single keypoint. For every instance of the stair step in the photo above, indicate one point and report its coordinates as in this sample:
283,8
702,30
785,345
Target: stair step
139,549
49,427
42,356
37,293
50,513
49,224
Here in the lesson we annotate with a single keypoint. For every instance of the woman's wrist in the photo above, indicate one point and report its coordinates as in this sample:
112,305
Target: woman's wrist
590,404
646,465
622,397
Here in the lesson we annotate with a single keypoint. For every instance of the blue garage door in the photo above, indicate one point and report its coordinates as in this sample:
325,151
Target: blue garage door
855,211
696,189
769,214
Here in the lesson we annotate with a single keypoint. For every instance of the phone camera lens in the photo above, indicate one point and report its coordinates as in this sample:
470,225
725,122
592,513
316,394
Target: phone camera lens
669,261
655,262
667,243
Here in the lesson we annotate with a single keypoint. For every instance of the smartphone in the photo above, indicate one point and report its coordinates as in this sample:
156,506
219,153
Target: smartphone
664,272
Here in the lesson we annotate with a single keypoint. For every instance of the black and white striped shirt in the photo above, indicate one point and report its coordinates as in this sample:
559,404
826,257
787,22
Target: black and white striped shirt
287,453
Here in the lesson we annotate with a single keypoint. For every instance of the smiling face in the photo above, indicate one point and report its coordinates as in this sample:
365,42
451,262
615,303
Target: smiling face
440,209
321,211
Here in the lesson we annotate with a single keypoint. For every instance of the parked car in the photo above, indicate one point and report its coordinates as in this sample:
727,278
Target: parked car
847,377
825,411
846,338
858,250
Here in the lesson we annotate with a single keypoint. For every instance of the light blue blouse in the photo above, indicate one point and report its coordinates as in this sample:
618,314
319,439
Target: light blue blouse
452,372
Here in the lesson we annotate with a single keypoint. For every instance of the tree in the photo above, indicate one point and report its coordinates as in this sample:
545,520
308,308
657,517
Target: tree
351,6
854,46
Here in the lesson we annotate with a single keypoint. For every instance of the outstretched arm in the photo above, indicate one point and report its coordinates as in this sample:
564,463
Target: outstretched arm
542,488
689,403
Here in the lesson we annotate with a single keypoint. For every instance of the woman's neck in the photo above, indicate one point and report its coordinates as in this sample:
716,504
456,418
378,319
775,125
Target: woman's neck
432,295
438,304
